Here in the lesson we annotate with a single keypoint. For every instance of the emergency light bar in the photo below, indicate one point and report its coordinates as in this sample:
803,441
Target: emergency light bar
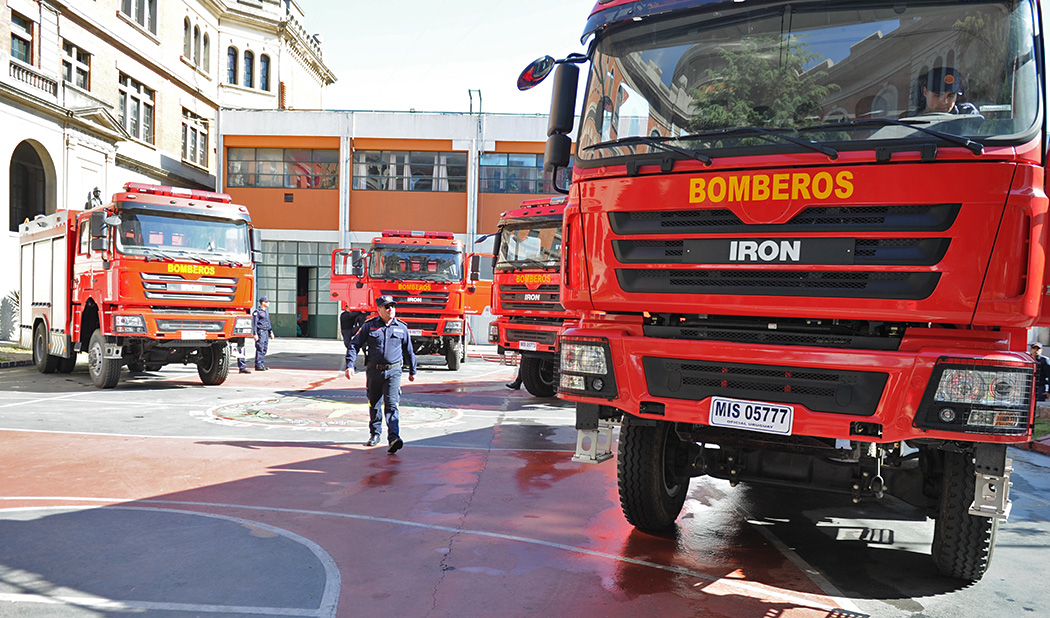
411,234
194,194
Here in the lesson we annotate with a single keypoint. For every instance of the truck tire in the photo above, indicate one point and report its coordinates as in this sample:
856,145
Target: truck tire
538,376
67,365
651,494
104,372
214,365
962,543
454,353
45,363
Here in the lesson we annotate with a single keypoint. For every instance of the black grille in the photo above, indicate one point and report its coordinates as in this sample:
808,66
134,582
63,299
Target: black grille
408,301
544,337
838,284
924,218
173,325
414,324
840,392
867,251
743,334
519,297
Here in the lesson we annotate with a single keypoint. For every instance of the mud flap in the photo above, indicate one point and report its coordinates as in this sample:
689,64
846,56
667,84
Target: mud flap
991,495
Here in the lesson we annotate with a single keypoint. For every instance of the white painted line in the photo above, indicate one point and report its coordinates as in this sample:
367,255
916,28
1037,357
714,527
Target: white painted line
326,608
754,589
41,400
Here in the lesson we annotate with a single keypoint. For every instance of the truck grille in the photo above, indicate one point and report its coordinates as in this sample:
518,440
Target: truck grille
850,258
414,324
425,301
205,325
821,390
177,287
539,336
519,297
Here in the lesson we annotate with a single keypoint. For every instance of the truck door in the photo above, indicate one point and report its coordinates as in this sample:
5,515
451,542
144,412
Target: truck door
478,294
349,273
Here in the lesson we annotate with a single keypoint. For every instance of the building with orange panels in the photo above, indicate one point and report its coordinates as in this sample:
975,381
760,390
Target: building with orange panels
316,181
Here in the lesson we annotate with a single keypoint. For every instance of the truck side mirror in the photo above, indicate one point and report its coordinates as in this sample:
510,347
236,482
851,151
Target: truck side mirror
256,241
357,262
97,230
475,267
557,154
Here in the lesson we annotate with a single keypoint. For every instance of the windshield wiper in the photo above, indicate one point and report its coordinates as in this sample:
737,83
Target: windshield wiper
157,253
657,142
766,134
974,147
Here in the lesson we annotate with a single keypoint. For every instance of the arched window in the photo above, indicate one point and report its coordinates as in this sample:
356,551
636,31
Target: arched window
207,53
264,72
231,65
249,69
196,46
186,38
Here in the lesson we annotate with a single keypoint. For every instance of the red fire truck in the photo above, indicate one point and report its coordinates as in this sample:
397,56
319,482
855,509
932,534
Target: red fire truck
807,239
526,290
425,273
159,275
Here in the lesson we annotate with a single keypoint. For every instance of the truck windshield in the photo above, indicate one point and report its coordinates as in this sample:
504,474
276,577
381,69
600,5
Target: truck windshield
533,245
754,78
423,264
180,236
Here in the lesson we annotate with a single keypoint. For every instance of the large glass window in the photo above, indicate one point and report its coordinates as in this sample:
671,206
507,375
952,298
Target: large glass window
419,263
514,173
831,72
535,244
135,107
169,236
410,171
291,168
21,38
264,72
76,66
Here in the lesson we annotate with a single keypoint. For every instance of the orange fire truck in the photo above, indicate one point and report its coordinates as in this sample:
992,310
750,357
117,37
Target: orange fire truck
159,275
427,274
807,239
526,284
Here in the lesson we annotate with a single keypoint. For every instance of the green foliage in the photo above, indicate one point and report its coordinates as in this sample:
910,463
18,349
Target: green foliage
762,84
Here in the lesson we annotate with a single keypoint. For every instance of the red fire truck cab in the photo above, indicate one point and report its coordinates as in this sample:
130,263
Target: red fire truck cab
159,275
526,296
434,281
807,239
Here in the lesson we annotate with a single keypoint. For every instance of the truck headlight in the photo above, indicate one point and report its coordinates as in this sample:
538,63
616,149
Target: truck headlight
242,326
493,332
453,327
585,367
978,396
129,324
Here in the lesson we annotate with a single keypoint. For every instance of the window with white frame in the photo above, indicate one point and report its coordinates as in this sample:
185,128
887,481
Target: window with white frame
264,72
231,65
249,69
194,138
514,173
207,53
136,104
187,44
142,12
410,171
76,66
21,38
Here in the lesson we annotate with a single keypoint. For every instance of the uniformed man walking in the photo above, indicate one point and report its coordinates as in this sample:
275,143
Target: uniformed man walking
263,332
387,345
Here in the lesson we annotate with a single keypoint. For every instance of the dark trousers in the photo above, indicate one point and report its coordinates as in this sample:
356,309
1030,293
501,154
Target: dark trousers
261,346
384,395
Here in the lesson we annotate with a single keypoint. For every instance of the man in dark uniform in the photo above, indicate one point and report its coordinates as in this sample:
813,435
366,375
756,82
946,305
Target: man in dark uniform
1042,370
387,346
263,332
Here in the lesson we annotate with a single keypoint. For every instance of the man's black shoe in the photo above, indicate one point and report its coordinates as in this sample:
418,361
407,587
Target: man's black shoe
513,385
243,371
374,440
262,368
395,446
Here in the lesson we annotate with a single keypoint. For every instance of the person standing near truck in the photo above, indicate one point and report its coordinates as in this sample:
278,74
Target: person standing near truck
387,346
263,332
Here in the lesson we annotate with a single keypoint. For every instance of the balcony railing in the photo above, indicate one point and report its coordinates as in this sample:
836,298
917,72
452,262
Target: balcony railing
35,80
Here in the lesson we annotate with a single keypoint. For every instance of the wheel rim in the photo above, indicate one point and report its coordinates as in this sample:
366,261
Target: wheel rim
670,450
38,346
95,359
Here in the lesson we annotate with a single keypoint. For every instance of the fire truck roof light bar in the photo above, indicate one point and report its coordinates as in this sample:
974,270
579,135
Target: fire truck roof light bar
163,190
418,234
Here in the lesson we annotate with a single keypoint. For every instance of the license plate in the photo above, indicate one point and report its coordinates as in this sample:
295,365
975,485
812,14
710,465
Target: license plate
528,346
192,334
754,415
415,332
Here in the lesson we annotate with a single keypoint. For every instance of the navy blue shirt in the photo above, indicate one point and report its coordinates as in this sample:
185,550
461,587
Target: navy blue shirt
384,344
261,321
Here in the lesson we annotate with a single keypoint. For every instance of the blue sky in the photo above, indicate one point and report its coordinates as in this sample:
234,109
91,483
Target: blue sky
426,55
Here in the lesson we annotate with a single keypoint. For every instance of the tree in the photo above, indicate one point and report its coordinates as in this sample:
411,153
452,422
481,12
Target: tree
763,84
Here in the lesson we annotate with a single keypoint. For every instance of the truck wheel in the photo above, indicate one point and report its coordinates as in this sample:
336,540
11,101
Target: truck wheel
104,372
962,543
67,365
538,375
214,365
453,353
651,494
45,363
